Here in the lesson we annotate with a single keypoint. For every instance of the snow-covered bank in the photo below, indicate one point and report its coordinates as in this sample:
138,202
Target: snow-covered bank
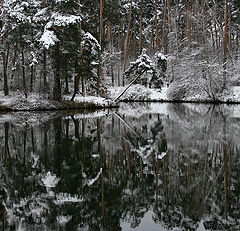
37,102
139,93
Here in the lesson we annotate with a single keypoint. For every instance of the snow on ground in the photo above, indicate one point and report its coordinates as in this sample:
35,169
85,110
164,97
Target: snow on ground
159,95
99,101
233,95
34,101
17,101
139,93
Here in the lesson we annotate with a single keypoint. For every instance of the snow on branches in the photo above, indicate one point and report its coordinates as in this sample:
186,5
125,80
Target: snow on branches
154,69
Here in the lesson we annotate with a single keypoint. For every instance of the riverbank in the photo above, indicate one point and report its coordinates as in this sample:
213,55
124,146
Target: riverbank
139,93
37,102
136,93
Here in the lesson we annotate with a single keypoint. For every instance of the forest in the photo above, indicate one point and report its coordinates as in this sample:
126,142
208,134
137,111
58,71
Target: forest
70,47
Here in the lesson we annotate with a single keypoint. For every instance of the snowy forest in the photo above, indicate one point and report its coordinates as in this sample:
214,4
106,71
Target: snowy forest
54,48
145,150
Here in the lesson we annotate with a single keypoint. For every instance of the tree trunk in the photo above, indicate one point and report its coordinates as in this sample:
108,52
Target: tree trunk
5,78
57,81
45,88
24,74
164,25
128,33
76,86
31,78
156,25
225,43
140,38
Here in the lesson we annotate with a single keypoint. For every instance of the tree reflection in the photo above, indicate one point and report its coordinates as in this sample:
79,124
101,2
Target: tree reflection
98,173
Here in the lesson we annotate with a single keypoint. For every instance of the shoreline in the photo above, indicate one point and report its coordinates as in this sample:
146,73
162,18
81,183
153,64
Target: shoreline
58,106
181,101
69,105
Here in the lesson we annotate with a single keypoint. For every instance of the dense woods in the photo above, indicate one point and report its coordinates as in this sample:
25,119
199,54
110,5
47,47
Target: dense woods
83,47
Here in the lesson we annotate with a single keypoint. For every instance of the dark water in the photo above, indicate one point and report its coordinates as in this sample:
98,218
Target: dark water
143,167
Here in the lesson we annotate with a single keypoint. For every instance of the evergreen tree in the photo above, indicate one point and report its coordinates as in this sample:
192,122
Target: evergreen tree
62,35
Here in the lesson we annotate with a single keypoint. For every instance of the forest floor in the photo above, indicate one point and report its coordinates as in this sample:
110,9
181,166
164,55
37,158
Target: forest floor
139,93
136,93
39,102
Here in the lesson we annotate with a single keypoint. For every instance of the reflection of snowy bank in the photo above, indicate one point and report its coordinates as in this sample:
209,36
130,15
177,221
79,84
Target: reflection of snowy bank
37,207
138,109
22,119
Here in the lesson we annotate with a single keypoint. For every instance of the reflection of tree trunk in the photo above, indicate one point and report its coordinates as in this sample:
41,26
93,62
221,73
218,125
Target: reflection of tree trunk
24,159
6,154
110,169
141,166
33,143
57,124
76,127
83,127
157,173
67,129
102,195
226,180
99,135
45,145
6,146
165,177
66,85
225,162
129,166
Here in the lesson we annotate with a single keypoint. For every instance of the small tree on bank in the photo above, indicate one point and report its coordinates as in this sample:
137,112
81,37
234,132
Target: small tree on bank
155,70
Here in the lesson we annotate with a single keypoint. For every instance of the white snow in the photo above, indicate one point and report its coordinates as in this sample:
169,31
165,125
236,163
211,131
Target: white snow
50,180
141,93
48,39
162,155
138,92
63,20
159,95
161,56
99,101
63,198
92,181
90,38
62,220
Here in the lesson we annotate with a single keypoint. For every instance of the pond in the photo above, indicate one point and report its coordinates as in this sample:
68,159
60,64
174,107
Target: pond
145,166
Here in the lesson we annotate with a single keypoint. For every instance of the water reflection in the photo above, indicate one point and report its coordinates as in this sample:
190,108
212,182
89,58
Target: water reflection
155,166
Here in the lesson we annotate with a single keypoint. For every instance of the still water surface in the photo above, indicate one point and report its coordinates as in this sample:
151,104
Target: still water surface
141,167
